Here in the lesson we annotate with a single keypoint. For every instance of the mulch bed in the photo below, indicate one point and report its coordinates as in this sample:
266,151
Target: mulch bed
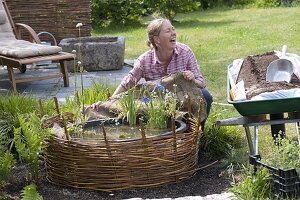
205,182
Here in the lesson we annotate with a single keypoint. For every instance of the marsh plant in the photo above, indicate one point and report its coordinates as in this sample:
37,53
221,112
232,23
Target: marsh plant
129,107
161,104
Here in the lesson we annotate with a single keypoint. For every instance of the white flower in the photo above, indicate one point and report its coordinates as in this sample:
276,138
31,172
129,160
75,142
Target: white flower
79,25
73,51
79,63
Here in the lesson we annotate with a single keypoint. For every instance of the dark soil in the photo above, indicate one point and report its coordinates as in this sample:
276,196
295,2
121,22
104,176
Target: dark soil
205,182
253,72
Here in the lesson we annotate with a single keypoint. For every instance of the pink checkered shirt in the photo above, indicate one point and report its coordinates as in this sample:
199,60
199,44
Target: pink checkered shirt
148,66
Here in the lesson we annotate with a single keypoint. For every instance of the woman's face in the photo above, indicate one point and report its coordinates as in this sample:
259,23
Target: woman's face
167,36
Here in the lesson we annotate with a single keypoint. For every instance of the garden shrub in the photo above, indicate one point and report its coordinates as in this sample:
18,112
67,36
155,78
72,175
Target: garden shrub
219,141
7,162
205,4
267,3
29,138
169,8
284,156
105,12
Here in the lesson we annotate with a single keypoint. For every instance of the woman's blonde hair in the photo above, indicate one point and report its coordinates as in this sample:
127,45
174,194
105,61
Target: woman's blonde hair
154,29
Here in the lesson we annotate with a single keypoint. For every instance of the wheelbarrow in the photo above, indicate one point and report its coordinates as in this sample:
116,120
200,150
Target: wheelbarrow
254,112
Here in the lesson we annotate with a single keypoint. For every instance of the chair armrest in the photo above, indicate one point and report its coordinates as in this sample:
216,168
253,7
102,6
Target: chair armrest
33,36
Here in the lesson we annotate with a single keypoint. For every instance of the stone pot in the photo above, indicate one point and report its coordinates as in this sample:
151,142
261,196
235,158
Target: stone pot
96,53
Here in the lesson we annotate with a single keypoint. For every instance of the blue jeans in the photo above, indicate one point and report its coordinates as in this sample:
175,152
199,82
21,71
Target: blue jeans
209,99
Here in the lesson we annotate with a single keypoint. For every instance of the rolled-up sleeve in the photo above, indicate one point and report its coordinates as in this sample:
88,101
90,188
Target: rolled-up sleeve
133,76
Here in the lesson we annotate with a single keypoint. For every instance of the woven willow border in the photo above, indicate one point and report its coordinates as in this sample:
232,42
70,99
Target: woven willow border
118,165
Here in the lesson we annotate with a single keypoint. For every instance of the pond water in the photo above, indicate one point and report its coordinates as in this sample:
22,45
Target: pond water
120,132
117,129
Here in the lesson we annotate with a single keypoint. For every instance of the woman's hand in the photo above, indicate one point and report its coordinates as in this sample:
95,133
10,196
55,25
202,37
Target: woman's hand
96,106
188,75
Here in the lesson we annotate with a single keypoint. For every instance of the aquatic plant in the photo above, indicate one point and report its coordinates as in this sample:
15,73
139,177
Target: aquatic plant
161,104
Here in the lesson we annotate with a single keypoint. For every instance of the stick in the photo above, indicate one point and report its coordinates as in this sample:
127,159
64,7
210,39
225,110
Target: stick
56,105
41,107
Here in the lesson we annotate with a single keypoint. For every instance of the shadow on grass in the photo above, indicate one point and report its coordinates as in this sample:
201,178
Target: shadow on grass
199,23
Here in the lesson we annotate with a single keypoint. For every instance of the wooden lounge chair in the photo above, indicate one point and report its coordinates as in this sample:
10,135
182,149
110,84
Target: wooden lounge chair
17,53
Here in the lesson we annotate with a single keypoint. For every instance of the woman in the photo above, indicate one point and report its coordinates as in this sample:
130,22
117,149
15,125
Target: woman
165,57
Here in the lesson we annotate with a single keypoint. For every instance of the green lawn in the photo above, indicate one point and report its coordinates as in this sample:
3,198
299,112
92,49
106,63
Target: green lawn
217,37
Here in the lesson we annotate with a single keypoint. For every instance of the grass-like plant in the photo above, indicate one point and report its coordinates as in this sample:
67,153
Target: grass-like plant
98,91
129,106
156,113
16,103
254,186
29,138
6,134
161,104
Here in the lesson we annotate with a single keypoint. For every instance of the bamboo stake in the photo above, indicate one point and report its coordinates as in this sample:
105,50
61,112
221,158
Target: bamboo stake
65,128
106,141
143,131
41,107
174,144
144,141
174,135
189,105
199,115
56,105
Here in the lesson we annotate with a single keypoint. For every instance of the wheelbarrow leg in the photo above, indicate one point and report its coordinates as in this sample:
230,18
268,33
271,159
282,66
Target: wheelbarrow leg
297,131
250,143
255,138
278,129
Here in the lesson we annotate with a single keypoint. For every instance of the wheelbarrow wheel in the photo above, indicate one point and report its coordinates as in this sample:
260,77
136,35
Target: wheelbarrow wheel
22,69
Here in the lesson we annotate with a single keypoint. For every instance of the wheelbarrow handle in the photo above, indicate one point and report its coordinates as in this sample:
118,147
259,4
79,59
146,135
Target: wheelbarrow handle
283,52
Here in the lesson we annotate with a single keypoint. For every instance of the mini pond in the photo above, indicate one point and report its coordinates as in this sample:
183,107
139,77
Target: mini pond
119,161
